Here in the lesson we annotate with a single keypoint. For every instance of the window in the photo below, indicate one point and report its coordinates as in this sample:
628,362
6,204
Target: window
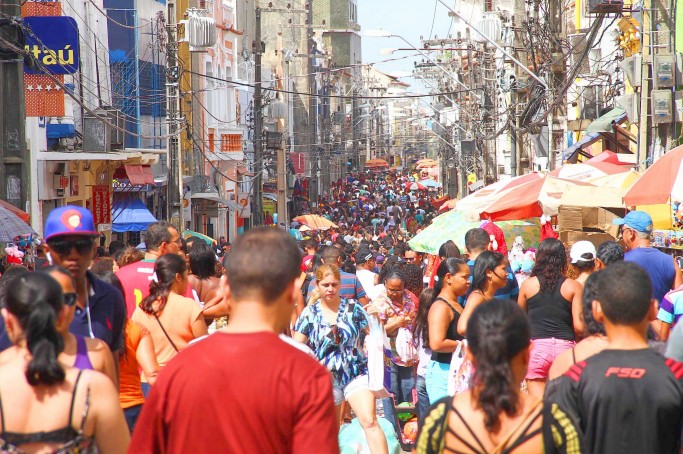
212,142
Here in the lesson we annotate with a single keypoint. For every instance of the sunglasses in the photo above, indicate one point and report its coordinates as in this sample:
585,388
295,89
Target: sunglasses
63,247
70,299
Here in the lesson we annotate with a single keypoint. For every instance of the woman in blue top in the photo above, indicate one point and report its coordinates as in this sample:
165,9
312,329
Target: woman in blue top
335,328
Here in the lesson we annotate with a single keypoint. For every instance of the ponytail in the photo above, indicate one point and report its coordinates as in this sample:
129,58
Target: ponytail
497,331
165,270
35,300
45,345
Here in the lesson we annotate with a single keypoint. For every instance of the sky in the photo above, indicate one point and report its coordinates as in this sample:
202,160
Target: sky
407,18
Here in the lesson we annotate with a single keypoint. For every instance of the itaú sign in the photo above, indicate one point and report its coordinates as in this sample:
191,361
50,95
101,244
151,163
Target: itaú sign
53,42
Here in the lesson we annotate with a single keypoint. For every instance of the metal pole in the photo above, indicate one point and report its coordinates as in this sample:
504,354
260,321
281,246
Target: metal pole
172,111
313,151
496,45
257,202
14,171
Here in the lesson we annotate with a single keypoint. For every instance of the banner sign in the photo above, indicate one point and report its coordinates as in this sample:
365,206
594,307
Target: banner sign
53,41
101,197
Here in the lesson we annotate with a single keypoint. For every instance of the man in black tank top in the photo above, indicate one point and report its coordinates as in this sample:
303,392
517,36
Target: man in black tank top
627,398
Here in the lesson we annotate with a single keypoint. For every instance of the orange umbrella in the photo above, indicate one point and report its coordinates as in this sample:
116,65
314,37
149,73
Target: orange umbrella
661,183
375,163
315,222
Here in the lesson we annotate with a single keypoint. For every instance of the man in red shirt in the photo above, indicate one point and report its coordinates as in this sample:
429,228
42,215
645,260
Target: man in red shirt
269,397
160,238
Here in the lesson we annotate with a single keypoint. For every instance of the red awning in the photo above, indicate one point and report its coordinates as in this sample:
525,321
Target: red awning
135,174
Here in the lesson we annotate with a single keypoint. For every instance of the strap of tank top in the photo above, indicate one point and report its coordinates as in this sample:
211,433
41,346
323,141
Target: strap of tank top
558,289
439,298
2,418
573,356
73,397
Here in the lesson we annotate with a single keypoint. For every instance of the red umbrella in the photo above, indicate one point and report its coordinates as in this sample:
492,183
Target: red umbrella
661,183
415,187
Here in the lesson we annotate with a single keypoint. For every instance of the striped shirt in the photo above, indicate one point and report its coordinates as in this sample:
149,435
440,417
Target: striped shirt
671,307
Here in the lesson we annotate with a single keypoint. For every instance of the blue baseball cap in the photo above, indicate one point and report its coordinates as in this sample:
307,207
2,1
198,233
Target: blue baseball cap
639,221
69,220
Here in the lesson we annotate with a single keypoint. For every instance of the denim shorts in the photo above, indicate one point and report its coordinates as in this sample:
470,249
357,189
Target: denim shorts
357,384
543,353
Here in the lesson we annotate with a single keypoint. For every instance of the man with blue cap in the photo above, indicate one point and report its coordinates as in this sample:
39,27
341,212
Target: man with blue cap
636,231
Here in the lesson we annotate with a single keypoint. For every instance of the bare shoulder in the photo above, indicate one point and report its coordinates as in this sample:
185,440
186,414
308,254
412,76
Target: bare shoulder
571,287
530,285
96,345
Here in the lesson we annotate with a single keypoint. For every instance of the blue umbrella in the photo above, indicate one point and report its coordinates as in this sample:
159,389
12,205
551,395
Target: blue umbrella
296,234
430,183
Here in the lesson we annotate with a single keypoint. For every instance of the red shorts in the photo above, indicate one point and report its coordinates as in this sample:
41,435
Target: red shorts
543,353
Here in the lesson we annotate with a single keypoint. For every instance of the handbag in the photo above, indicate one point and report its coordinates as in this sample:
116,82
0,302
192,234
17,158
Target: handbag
375,347
460,371
165,333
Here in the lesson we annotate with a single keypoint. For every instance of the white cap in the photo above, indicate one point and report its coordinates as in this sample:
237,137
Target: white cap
581,250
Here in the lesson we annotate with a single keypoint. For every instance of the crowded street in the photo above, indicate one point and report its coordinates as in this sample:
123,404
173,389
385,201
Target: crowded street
247,226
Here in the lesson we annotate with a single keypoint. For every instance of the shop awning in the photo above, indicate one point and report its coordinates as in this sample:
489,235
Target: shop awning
586,140
604,123
135,174
130,215
80,156
214,197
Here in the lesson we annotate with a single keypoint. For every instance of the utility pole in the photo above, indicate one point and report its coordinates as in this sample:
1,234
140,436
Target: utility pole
257,202
14,168
326,132
517,98
174,183
313,151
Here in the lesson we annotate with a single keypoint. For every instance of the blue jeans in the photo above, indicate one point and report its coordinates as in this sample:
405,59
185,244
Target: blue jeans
402,385
131,414
146,388
437,380
422,397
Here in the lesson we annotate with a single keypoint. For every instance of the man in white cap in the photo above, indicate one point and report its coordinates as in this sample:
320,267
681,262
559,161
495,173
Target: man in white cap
582,256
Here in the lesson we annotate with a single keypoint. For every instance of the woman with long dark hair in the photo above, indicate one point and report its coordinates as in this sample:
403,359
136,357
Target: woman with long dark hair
46,406
421,336
204,281
452,281
596,337
172,319
79,351
554,306
493,415
490,275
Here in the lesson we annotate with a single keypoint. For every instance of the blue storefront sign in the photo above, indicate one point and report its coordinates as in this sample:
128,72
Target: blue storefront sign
53,41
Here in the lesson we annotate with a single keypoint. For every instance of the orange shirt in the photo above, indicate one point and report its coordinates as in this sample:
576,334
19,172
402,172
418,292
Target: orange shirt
130,392
177,318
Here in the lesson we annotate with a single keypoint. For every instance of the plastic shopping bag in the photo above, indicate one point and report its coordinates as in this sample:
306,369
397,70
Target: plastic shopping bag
375,347
460,371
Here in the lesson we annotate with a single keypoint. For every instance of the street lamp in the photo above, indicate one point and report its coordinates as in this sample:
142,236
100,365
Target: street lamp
386,34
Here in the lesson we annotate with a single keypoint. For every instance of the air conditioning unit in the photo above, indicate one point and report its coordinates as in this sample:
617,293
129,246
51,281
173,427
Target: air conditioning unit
632,67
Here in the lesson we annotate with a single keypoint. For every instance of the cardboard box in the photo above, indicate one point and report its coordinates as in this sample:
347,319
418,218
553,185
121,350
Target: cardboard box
572,218
571,237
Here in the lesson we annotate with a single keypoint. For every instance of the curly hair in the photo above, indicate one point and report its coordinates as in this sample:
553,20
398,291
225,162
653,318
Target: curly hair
551,264
413,277
497,332
590,291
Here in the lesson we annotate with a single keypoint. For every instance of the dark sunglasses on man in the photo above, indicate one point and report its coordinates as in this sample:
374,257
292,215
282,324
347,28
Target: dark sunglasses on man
70,298
64,246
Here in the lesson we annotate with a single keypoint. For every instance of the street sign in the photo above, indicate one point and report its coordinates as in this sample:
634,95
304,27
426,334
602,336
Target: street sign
53,41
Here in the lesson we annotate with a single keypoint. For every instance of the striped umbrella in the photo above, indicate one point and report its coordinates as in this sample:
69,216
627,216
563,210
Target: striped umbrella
11,226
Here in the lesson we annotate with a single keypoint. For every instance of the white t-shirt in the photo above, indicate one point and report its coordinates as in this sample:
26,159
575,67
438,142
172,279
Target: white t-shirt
367,280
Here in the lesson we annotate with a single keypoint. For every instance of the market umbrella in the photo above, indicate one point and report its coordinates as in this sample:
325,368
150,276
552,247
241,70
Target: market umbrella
415,186
586,170
305,228
620,159
661,183
474,203
453,225
12,226
532,199
619,181
207,239
376,163
315,222
24,216
428,182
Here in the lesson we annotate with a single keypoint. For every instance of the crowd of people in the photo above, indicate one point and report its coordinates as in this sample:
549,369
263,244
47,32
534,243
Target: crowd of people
262,345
